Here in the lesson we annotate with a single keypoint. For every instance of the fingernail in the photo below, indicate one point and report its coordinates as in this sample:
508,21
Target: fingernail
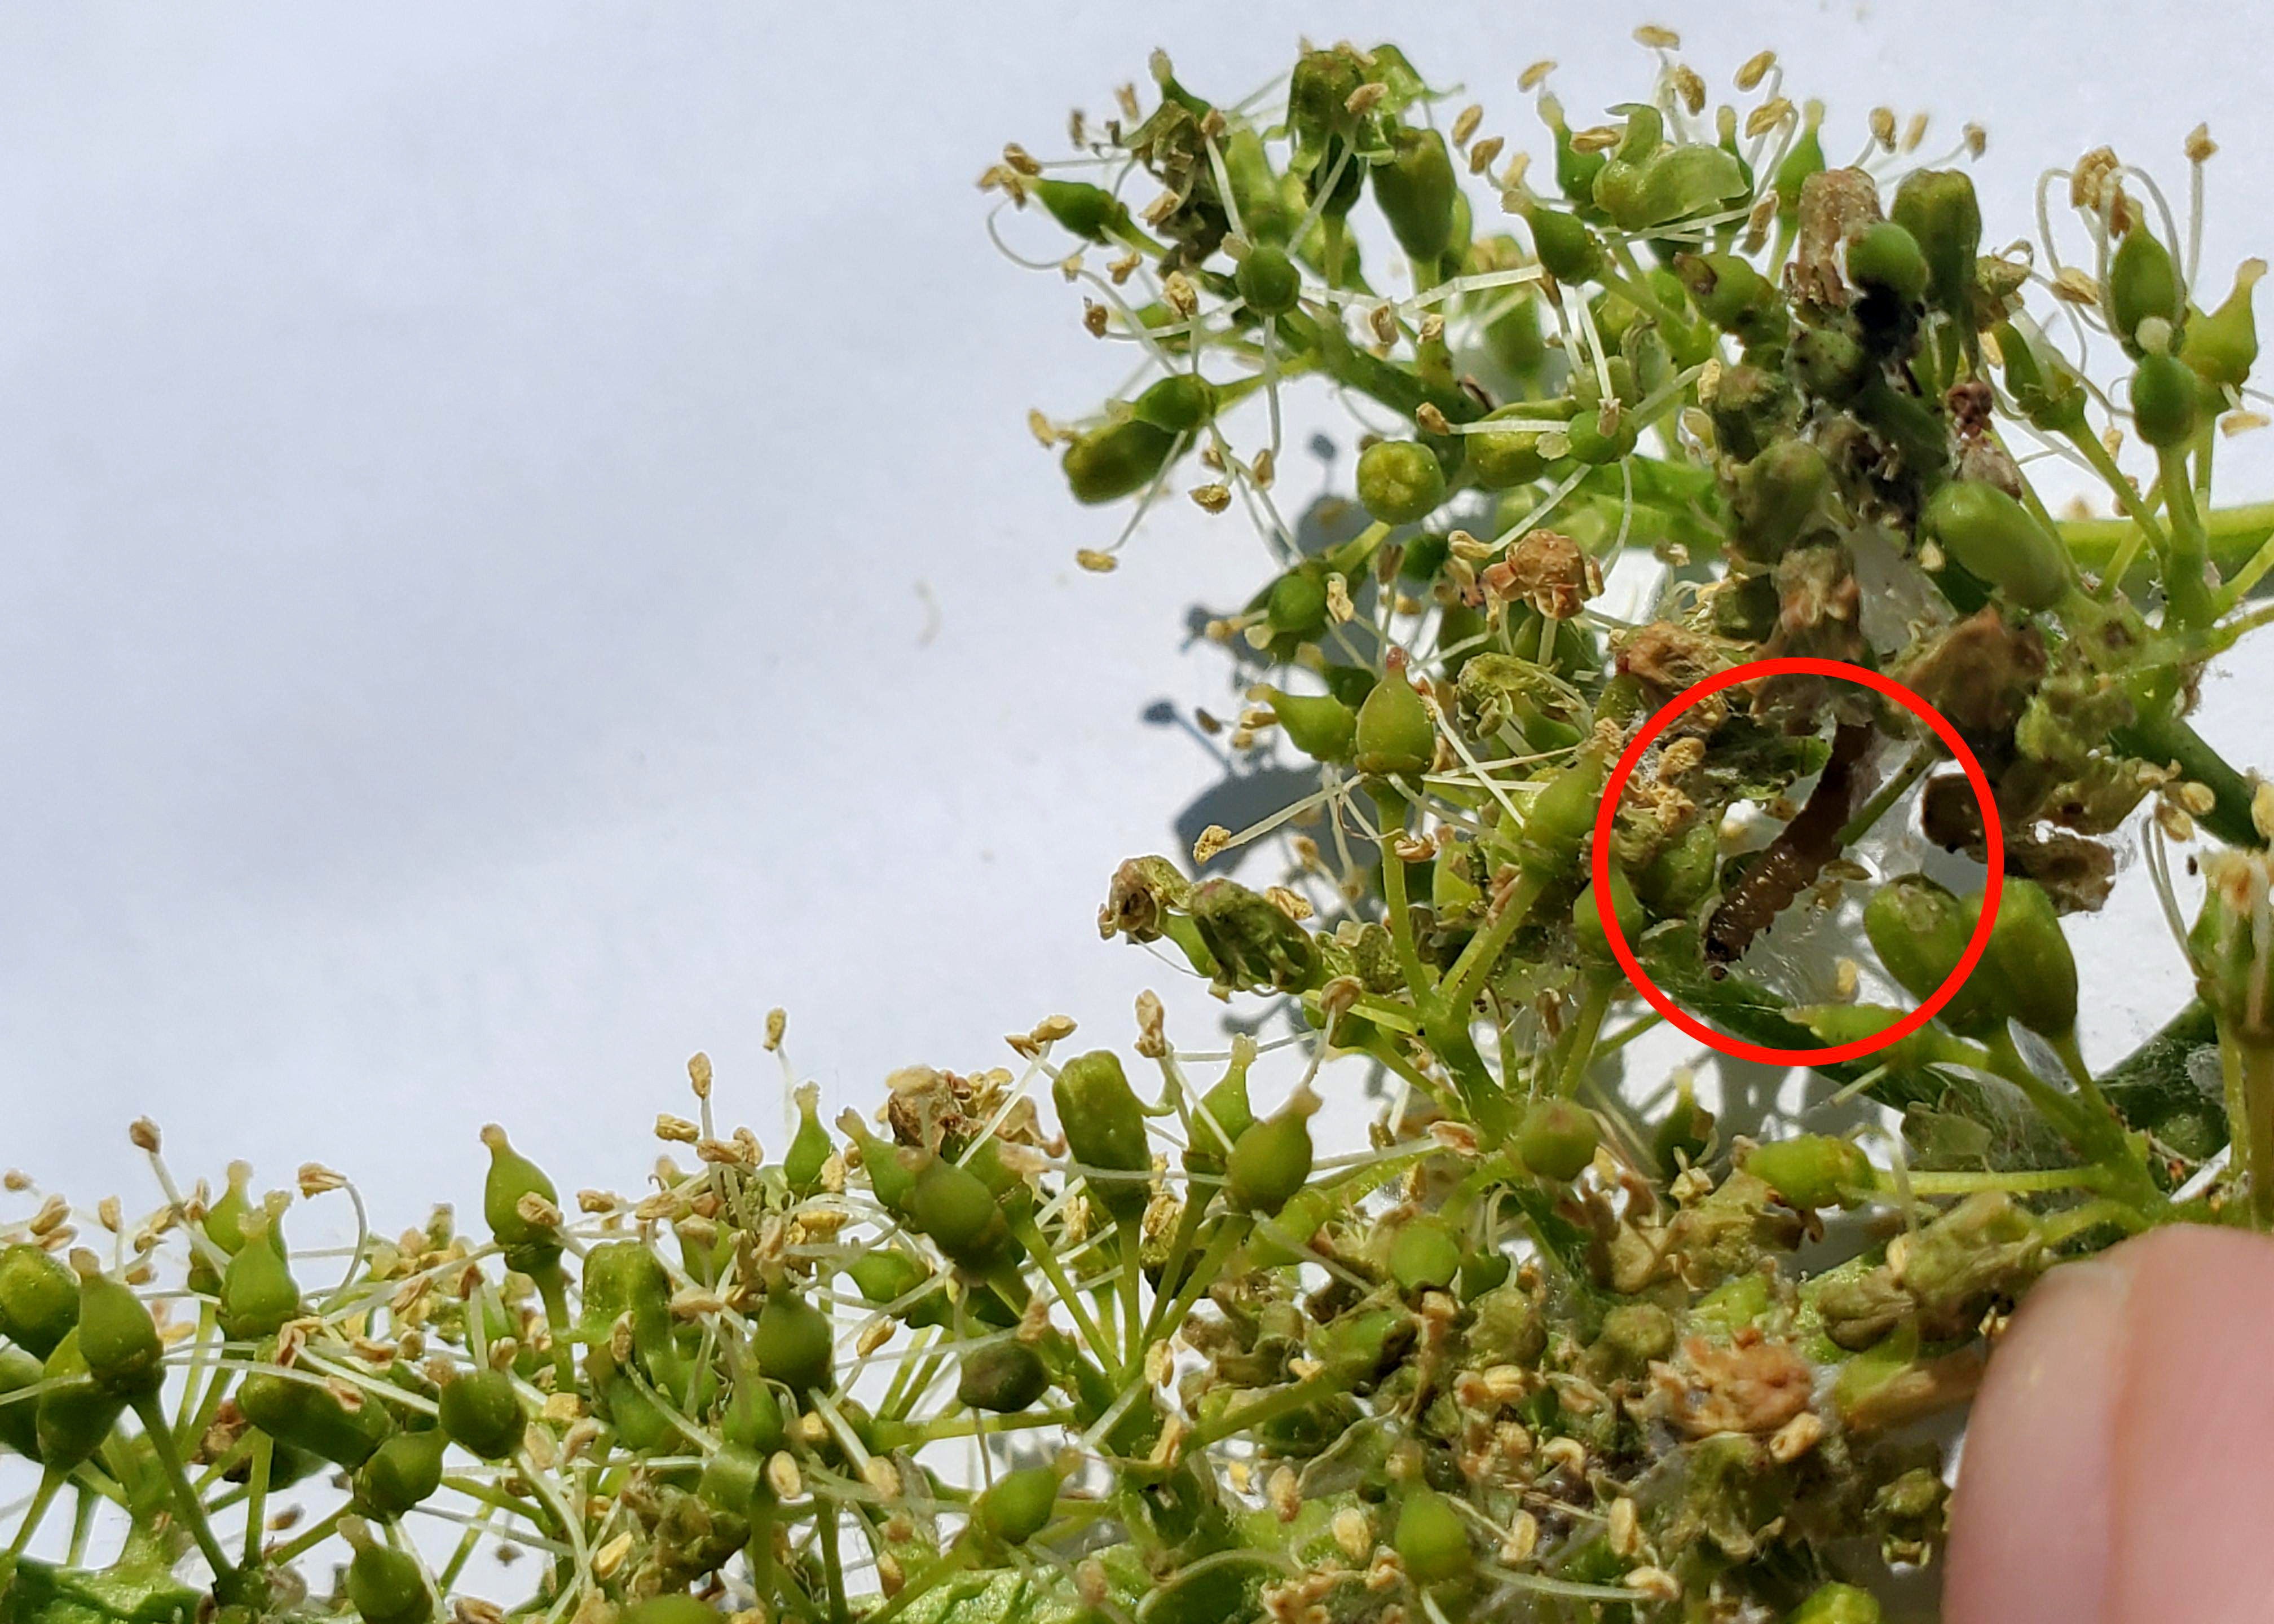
2031,1519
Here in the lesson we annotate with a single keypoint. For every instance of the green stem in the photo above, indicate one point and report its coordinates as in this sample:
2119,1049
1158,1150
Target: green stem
152,1411
1264,1406
2248,1069
1467,977
1044,1254
1129,1242
264,1448
1581,1055
2233,535
310,1537
1169,1312
832,1565
2186,592
42,1497
1876,808
1394,898
552,1286
2161,737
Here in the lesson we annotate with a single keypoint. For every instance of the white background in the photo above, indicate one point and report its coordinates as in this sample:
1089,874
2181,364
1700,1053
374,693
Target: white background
521,549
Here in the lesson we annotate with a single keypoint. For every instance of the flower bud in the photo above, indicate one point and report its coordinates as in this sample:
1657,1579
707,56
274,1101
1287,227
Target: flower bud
1393,733
529,1246
1223,1114
2223,346
1600,445
1319,724
258,1292
1115,459
891,1180
624,1279
1296,606
39,1299
1587,918
2001,541
2031,971
1681,876
2044,385
809,1148
1837,1603
2143,282
1104,1126
1679,182
2231,951
1400,481
117,1337
753,1420
1920,931
481,1413
1884,258
1566,249
1433,1538
1731,294
1777,494
401,1472
1089,212
385,1586
1938,208
1557,1139
1019,1505
1685,1133
1633,1337
1424,1254
1268,281
309,1415
1002,1378
1252,941
794,1342
733,1481
75,1414
1806,159
20,1429
1831,364
1179,403
954,1207
1505,459
1811,1170
2163,401
1415,188
1561,815
1272,1160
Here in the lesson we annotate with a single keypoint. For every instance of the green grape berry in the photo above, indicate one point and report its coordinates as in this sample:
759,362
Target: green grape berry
480,1411
1400,481
1268,279
1116,460
39,1299
794,1342
1105,1125
1272,1160
1319,724
809,1148
1393,731
1433,1539
1884,258
2001,541
529,1244
118,1339
1002,1378
1019,1505
1811,1170
403,1472
1557,1139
